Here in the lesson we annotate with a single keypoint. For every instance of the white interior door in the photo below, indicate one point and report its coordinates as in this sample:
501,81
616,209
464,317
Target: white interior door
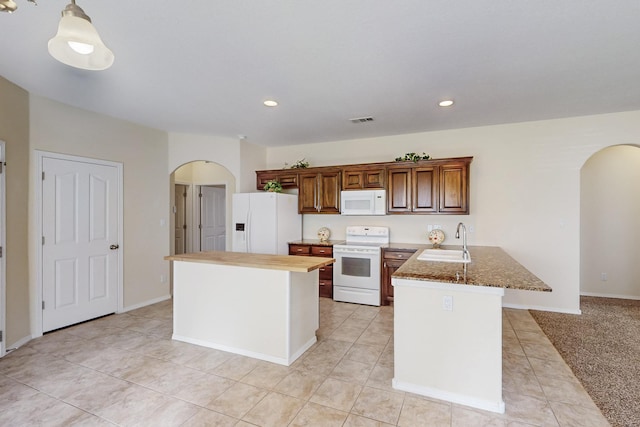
80,223
180,212
212,218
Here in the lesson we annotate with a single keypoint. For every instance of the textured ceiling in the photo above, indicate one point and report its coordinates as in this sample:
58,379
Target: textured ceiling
204,67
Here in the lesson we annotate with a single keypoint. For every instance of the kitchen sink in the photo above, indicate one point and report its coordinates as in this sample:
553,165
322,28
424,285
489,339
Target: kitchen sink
444,255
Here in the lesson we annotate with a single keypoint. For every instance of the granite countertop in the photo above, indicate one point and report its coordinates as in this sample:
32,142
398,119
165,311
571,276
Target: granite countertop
241,259
317,242
489,266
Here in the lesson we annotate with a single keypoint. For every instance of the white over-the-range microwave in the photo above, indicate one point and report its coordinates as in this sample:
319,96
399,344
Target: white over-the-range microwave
363,202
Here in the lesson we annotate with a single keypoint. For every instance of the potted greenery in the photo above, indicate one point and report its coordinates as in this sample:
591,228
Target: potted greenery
300,164
273,186
414,157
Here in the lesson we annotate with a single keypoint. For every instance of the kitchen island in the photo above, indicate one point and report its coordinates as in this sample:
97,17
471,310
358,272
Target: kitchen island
448,325
261,306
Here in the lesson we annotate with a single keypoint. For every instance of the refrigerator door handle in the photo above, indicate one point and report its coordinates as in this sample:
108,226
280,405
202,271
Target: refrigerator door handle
247,231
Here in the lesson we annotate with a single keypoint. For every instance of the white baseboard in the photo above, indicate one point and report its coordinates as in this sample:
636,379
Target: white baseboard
253,354
596,294
461,399
16,345
541,308
146,303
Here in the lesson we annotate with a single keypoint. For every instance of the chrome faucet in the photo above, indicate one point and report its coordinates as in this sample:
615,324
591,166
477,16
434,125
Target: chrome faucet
465,251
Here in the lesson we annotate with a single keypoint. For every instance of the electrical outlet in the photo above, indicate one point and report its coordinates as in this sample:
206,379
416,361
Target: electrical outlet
447,303
604,277
163,278
437,227
429,228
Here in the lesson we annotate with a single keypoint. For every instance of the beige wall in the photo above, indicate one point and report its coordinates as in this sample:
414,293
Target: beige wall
239,156
14,130
525,190
252,158
143,151
610,226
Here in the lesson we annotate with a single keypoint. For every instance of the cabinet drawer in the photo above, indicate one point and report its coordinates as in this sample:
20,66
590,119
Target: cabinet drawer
326,272
322,251
398,255
325,288
299,250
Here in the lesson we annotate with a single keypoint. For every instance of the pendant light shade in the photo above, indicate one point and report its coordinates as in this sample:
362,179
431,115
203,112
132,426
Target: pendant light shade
8,6
77,42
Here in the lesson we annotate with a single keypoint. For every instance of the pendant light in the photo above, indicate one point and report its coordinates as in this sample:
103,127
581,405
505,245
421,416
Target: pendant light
77,42
8,6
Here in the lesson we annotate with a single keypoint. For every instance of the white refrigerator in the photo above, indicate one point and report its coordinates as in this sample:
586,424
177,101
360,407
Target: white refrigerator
264,223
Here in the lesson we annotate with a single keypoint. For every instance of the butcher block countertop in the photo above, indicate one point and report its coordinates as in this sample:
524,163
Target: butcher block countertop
240,259
489,266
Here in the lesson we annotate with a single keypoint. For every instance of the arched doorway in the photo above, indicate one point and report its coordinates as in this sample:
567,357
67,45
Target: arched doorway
201,210
610,223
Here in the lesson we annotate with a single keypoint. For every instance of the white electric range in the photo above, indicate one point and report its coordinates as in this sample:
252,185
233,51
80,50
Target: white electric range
356,272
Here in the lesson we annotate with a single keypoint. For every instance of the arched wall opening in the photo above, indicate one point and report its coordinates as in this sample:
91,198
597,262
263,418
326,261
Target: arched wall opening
610,223
193,177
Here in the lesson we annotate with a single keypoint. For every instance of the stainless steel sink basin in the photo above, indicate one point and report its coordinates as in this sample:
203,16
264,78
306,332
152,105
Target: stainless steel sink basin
444,255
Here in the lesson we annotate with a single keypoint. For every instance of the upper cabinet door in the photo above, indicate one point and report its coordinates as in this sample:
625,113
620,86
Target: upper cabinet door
329,193
399,190
361,178
308,193
425,189
319,192
287,178
454,189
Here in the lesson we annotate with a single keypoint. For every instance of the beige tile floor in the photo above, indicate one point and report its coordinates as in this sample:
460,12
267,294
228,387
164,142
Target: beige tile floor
125,370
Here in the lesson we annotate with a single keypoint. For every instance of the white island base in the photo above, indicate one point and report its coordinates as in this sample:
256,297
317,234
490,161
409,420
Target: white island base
453,355
263,313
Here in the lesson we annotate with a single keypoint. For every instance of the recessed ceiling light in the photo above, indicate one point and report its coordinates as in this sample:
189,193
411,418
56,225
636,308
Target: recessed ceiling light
270,103
446,103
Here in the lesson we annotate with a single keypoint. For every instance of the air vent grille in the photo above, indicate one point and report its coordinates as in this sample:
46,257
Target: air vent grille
361,120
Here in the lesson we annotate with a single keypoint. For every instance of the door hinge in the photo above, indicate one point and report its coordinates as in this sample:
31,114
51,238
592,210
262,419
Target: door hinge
184,194
200,195
1,336
0,251
43,304
184,227
1,164
43,240
200,226
43,175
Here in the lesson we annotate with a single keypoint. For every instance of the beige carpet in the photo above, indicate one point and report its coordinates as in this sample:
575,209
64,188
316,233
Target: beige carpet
602,347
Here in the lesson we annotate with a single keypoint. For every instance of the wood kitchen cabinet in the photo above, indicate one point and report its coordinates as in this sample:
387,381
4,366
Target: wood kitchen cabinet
326,272
319,192
454,188
429,187
363,178
436,186
392,259
286,177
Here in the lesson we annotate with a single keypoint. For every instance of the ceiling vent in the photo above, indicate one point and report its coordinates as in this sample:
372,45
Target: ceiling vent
361,120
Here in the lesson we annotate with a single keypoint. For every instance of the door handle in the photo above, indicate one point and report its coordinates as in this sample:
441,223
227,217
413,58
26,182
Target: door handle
114,247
